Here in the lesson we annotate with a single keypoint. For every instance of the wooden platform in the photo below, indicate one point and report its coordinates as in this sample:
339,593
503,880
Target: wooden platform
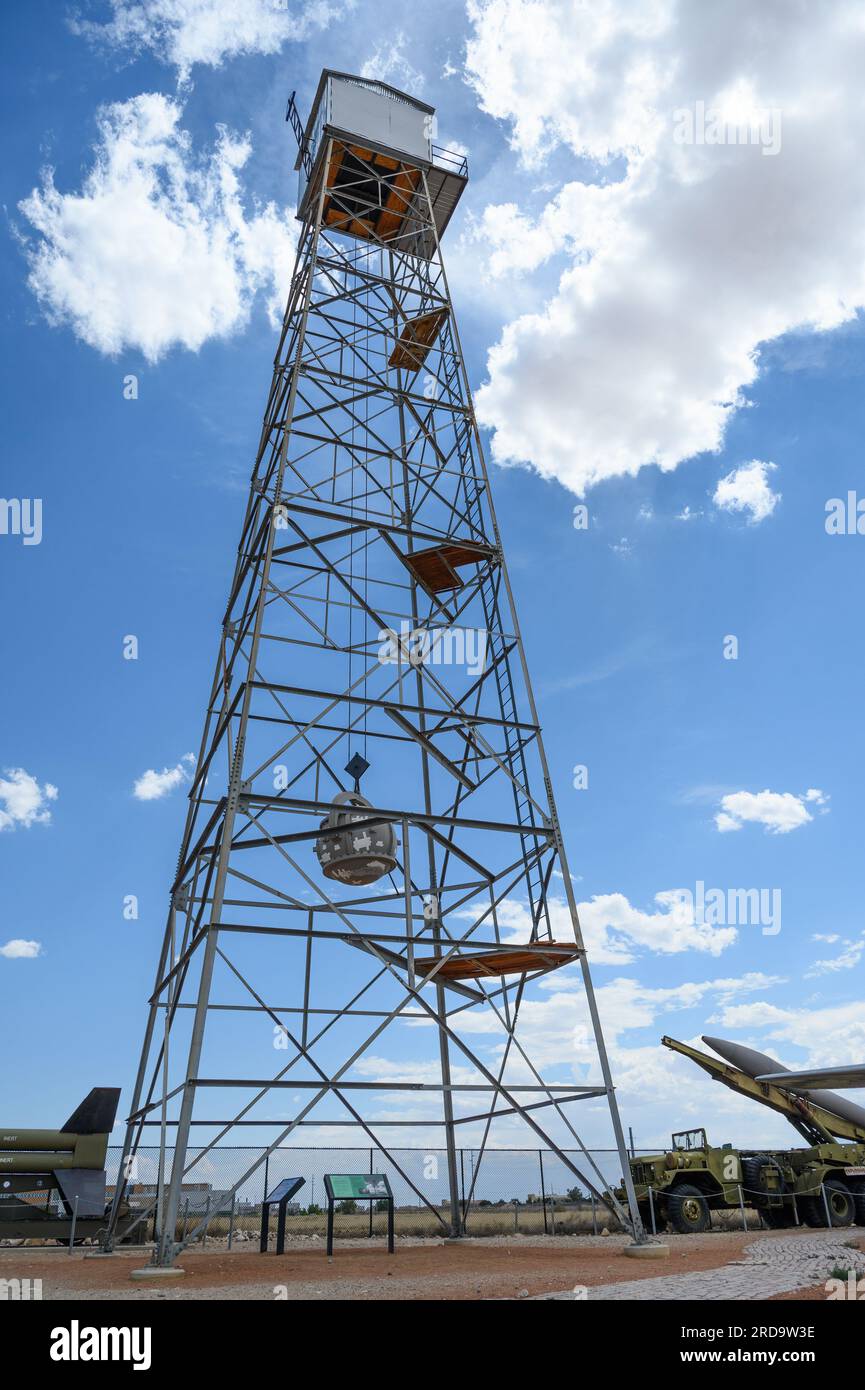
368,193
507,960
436,568
416,339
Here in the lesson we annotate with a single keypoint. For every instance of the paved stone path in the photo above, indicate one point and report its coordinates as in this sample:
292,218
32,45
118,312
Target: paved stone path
773,1265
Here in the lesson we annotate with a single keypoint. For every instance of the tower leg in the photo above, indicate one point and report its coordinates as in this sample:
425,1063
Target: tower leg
450,1129
166,1251
141,1076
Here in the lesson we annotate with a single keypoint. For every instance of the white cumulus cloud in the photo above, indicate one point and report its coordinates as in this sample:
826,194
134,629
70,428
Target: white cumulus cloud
847,959
152,785
23,801
157,250
830,1036
389,63
612,927
779,812
747,489
185,32
21,950
556,1027
680,259
615,932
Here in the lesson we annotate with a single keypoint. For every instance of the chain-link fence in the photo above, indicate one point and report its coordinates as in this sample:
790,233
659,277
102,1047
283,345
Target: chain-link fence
502,1191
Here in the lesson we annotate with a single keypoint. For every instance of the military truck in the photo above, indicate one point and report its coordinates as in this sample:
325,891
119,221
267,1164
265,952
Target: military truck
820,1185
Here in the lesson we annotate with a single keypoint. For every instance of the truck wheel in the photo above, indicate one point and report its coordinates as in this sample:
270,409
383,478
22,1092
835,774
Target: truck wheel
811,1211
859,1200
756,1189
752,1168
840,1201
688,1210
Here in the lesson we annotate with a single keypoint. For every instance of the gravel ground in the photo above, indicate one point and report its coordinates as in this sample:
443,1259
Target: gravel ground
772,1266
492,1268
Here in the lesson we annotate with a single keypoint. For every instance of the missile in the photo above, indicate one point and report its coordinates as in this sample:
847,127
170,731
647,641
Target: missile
81,1142
755,1064
63,1169
849,1078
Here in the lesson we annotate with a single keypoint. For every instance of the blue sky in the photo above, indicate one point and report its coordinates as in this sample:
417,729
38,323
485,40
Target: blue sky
668,335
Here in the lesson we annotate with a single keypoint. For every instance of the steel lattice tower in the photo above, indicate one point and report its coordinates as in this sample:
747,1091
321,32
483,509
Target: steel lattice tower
369,573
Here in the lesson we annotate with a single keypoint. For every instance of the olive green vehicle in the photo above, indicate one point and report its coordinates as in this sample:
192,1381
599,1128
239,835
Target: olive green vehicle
820,1185
52,1181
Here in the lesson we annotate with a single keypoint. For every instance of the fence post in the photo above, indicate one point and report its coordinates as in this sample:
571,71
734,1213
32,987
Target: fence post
826,1204
742,1208
652,1212
231,1220
463,1186
543,1189
370,1204
553,1211
74,1222
594,1215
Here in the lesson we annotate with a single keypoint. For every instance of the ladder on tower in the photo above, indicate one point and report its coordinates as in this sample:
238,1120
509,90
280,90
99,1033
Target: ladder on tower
292,116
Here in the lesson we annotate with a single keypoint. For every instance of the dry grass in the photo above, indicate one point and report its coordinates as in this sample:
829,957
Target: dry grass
483,1221
420,1222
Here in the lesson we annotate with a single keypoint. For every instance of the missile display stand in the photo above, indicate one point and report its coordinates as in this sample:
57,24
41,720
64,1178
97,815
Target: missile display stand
386,941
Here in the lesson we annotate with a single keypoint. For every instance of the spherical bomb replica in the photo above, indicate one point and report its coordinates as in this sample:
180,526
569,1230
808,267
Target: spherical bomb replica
357,854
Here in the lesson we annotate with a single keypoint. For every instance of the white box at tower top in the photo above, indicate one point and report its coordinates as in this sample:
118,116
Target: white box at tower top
373,113
365,115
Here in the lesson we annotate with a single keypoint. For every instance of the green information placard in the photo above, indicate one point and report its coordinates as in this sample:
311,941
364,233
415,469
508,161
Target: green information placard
360,1186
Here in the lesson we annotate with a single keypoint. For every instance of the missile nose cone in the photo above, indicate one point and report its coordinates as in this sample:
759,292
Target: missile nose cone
754,1063
745,1058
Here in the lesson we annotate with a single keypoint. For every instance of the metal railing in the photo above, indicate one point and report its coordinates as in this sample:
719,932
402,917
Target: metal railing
449,159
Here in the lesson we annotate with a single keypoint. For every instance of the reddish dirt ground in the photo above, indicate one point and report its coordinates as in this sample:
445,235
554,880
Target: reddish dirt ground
425,1271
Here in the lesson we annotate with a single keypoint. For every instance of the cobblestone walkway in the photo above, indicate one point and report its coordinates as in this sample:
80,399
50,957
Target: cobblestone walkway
770,1266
